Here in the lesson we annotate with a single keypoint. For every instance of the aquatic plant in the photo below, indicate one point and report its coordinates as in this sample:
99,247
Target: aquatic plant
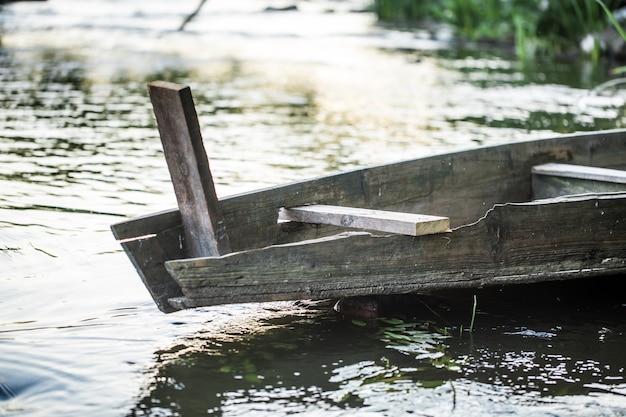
612,18
618,27
567,27
416,339
547,27
471,329
402,10
476,20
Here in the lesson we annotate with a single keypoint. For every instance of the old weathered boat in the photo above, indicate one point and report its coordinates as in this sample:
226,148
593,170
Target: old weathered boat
550,209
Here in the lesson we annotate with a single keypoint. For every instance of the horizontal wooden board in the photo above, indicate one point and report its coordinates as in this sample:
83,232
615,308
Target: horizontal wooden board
376,220
513,243
553,180
581,172
147,224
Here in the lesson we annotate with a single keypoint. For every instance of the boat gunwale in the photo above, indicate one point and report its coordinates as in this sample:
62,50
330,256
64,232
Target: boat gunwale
128,229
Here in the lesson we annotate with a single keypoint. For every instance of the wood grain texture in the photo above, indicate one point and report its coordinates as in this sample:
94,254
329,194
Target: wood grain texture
148,224
148,256
188,165
462,184
513,243
367,219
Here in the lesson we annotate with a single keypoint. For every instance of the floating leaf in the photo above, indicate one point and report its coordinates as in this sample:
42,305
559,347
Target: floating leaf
392,321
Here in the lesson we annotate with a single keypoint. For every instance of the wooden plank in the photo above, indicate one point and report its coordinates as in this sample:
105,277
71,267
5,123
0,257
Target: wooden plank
148,256
513,243
205,230
149,224
376,220
553,180
549,187
581,171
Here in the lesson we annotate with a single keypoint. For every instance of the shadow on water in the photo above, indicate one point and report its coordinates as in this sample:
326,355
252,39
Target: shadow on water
308,361
524,353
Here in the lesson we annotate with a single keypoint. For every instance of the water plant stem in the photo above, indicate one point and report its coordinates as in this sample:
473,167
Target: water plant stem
611,17
471,328
618,27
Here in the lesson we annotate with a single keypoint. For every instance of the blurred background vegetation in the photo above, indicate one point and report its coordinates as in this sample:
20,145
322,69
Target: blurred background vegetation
533,27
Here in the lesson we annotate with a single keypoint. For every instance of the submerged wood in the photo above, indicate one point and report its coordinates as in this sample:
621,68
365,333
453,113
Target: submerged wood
499,235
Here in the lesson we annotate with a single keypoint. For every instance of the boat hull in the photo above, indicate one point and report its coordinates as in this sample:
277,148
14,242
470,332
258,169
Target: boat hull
465,186
544,240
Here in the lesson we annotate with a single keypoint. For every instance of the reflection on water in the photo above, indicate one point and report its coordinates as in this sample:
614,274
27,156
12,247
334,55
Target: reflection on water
306,361
280,97
421,361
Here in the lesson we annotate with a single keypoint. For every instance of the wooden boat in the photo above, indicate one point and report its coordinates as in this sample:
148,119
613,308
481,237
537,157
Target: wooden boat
550,209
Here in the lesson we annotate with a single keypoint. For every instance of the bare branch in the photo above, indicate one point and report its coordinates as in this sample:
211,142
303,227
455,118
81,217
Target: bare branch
191,16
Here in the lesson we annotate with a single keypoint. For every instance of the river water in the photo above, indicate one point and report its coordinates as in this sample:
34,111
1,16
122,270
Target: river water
281,96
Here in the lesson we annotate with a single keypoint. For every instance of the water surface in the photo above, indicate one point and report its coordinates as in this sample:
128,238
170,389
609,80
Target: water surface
280,96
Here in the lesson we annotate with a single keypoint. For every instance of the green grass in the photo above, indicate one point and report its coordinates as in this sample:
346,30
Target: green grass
553,27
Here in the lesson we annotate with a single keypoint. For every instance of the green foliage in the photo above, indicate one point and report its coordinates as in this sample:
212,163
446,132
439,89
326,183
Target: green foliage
535,26
563,25
475,19
402,10
359,323
618,27
417,340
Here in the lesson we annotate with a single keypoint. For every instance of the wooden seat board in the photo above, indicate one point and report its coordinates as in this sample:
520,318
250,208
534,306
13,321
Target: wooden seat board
375,220
554,179
581,172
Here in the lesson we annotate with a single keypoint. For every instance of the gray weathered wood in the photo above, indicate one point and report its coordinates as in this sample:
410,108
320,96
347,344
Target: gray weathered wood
513,243
464,184
148,224
205,230
581,171
552,180
158,248
376,220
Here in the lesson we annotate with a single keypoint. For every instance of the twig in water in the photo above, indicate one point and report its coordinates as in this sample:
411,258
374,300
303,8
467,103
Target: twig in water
191,16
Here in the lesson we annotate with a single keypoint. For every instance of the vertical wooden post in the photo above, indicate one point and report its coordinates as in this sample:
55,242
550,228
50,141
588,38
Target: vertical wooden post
205,231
